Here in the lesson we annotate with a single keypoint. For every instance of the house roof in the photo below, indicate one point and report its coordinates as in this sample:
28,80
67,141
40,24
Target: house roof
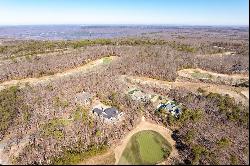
177,110
139,95
110,112
98,111
168,106
107,113
171,107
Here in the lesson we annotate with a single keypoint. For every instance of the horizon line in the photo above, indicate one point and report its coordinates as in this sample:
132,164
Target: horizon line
125,24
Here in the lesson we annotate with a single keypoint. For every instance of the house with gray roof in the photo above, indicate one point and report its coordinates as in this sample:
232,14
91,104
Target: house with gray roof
97,111
109,114
139,95
170,107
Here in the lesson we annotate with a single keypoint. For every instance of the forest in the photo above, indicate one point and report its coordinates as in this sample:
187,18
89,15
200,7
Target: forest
41,123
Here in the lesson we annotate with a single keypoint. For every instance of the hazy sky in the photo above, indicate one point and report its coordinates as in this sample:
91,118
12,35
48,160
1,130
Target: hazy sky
194,12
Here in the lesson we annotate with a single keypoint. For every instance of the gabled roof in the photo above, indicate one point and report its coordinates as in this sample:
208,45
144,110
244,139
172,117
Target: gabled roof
171,107
107,113
139,95
168,106
110,112
98,111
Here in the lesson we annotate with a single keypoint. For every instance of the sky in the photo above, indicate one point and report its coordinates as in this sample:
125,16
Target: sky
170,12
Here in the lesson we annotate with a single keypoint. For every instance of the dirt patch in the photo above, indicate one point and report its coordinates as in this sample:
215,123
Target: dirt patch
4,159
107,158
71,72
245,93
147,81
218,54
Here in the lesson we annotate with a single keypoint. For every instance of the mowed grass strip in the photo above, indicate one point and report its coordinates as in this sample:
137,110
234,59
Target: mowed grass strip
199,75
107,60
146,147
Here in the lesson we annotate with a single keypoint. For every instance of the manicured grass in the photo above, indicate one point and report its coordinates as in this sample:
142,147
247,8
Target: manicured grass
150,148
132,91
146,147
200,75
107,60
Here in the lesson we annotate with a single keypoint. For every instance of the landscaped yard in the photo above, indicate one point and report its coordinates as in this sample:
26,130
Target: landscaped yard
145,147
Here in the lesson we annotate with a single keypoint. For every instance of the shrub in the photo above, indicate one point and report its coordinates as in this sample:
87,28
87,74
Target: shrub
26,115
50,87
213,157
9,104
200,90
54,128
190,136
81,114
91,122
224,142
60,102
171,120
98,133
228,107
194,115
197,151
233,160
182,47
112,100
71,157
186,116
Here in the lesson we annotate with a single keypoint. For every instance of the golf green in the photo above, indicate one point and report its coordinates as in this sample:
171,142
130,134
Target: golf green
145,147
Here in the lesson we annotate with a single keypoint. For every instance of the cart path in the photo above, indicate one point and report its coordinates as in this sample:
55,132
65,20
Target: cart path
213,77
238,93
71,72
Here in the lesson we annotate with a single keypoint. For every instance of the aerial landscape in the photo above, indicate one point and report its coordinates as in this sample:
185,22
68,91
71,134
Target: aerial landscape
119,87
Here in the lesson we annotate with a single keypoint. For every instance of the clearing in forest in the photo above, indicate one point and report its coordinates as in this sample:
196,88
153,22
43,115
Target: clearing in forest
142,126
145,147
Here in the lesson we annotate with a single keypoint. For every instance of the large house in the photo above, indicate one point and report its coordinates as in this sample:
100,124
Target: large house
108,114
139,95
171,107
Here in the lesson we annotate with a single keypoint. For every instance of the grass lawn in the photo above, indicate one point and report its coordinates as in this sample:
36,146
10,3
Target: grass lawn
145,147
200,75
107,60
